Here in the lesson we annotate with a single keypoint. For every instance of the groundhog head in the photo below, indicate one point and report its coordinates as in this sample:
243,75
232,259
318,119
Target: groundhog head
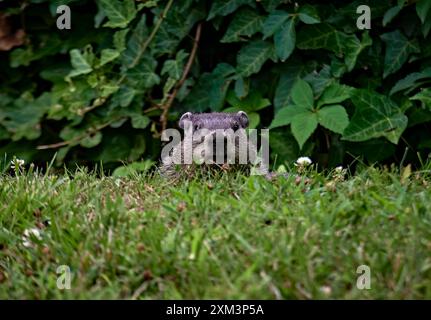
215,120
216,135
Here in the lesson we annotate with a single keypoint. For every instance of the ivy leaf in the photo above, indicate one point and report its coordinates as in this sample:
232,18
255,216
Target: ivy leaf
303,125
320,80
391,14
254,120
217,93
334,118
375,116
418,116
91,140
108,89
222,77
324,36
169,85
81,65
143,75
335,93
424,96
321,36
148,4
398,49
48,45
198,100
274,22
224,7
140,121
338,68
21,57
271,5
302,94
308,14
241,87
115,147
175,27
98,18
107,56
252,56
224,70
285,39
135,44
426,27
253,102
289,75
353,47
411,81
22,117
211,89
285,115
119,13
124,96
283,145
120,40
423,7
245,23
175,67
3,133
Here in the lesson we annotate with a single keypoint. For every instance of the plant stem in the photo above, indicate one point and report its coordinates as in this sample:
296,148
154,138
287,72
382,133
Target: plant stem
167,106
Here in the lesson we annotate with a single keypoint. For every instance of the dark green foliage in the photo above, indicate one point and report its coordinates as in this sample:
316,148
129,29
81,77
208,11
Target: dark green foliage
97,92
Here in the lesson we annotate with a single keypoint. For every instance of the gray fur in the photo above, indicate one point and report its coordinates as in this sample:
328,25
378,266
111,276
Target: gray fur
216,120
211,122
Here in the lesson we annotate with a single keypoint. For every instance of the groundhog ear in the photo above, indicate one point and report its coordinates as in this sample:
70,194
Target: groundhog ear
185,117
243,119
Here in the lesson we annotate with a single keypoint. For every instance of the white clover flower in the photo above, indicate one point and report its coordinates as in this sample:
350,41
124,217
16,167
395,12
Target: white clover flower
326,290
339,169
303,162
339,173
28,234
17,163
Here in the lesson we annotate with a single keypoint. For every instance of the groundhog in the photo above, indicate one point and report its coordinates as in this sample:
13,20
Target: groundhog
212,141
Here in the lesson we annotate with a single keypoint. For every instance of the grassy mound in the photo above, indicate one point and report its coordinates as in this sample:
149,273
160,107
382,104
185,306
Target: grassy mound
225,236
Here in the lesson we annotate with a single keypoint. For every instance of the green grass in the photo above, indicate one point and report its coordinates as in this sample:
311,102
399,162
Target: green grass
226,236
